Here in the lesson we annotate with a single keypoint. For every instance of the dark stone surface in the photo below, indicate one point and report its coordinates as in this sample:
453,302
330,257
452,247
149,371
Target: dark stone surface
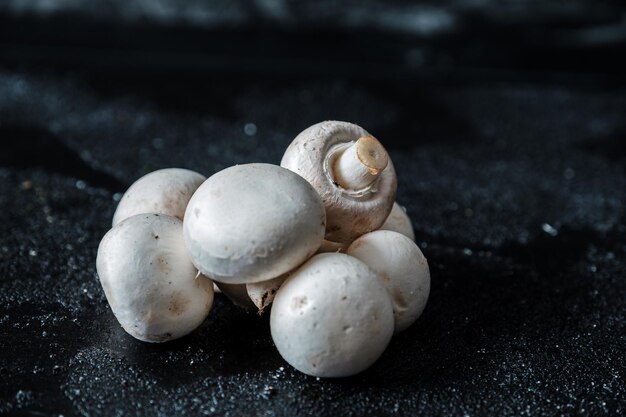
575,40
516,193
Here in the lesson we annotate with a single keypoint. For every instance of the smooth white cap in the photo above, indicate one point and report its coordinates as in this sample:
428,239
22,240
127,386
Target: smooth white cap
332,317
166,191
149,280
402,267
253,222
399,221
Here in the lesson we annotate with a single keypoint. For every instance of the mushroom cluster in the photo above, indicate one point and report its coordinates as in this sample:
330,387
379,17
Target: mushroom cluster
319,238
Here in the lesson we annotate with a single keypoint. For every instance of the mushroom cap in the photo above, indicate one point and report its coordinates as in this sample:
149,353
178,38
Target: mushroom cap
253,222
402,267
332,317
149,280
166,191
349,214
399,221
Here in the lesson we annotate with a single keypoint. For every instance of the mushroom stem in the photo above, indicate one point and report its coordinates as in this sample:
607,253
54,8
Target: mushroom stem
359,165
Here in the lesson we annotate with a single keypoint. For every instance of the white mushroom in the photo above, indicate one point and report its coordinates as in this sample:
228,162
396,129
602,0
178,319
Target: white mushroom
399,221
332,317
149,281
253,296
166,191
402,267
351,171
253,222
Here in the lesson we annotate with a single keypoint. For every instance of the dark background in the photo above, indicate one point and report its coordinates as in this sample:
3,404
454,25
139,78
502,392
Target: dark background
506,122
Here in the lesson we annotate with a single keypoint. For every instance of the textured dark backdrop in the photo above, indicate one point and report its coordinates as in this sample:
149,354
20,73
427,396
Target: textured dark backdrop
507,126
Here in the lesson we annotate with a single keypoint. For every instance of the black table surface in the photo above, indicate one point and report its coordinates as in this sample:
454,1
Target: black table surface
515,186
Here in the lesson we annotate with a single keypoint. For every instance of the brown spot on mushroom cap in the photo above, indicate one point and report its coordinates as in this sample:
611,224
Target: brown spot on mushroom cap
178,304
383,275
164,266
298,302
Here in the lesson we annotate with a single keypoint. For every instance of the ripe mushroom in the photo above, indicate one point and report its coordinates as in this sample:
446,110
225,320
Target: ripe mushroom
351,171
253,222
166,191
402,267
253,296
149,281
399,221
332,317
